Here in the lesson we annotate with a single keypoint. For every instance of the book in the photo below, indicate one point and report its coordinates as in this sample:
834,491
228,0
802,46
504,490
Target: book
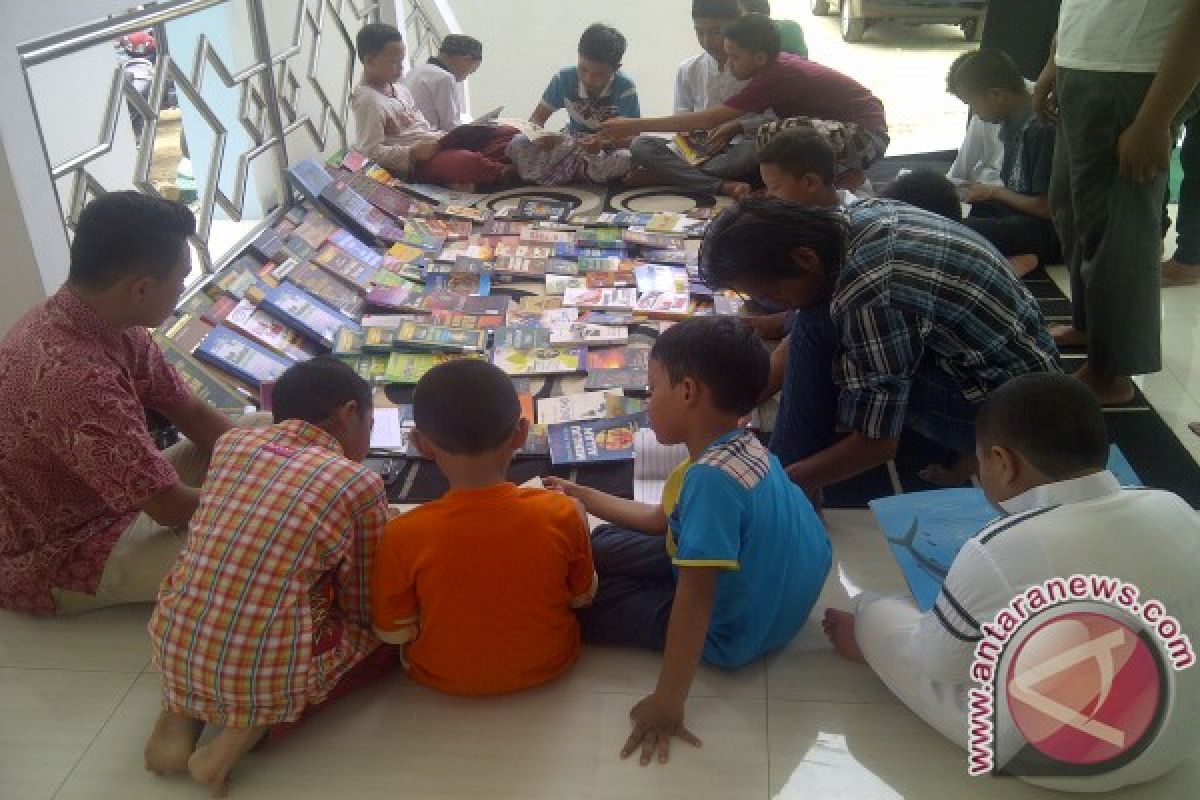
220,309
504,227
540,360
595,441
532,318
608,318
348,342
459,283
599,237
203,382
602,264
253,323
406,253
356,212
520,267
661,241
637,356
408,368
305,313
457,319
619,404
559,284
403,297
190,332
233,353
520,337
668,222
469,213
667,305
268,244
573,407
347,241
388,200
630,379
239,278
371,367
653,463
588,334
424,336
310,178
677,257
610,280
538,209
542,236
693,147
391,431
421,238
601,299
341,264
537,443
727,305
314,229
377,338
328,289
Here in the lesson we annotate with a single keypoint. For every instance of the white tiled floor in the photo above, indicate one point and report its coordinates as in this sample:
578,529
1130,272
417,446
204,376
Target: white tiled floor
77,700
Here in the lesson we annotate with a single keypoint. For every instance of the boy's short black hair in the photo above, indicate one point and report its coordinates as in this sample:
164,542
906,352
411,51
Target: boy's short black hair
756,33
952,86
128,233
756,7
927,189
313,390
716,9
602,43
1051,419
466,406
800,152
754,241
989,68
459,44
372,38
720,352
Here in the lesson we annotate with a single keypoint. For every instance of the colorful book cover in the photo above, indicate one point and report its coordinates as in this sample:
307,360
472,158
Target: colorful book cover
540,360
630,219
523,267
610,280
661,241
601,263
457,319
559,284
306,313
463,283
408,368
310,178
661,278
254,323
573,407
404,297
314,229
608,318
348,342
677,257
338,262
328,289
469,213
575,333
561,266
630,379
423,336
531,318
521,337
541,236
619,357
537,209
378,339
595,441
727,305
268,244
371,367
347,241
601,299
245,360
668,305
619,405
599,237
203,382
504,227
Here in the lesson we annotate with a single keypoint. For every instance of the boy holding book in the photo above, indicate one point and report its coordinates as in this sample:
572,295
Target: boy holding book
393,132
479,586
728,567
266,614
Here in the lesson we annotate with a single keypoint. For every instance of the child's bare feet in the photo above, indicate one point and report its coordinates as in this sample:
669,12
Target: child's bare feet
735,189
210,765
1067,335
1023,264
955,474
1110,390
171,743
839,627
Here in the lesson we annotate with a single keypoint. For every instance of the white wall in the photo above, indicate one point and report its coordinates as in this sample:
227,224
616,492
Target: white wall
526,41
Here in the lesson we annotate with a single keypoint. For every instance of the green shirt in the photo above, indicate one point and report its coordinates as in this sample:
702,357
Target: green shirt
791,37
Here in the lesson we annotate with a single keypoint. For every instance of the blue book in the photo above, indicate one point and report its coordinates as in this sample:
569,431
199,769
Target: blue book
310,178
245,360
925,530
299,309
595,441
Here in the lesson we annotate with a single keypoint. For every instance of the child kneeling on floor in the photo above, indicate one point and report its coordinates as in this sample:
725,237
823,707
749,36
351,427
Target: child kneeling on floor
479,586
266,614
729,566
1065,515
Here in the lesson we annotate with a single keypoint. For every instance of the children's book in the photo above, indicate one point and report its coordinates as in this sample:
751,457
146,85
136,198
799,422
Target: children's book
245,360
661,278
925,530
189,332
653,463
408,368
540,360
537,209
348,342
595,441
305,313
370,366
575,333
692,147
253,323
328,289
203,382
520,337
423,336
601,299
378,338
666,305
405,297
573,407
341,264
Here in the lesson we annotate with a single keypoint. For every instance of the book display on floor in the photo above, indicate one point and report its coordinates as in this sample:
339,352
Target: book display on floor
395,278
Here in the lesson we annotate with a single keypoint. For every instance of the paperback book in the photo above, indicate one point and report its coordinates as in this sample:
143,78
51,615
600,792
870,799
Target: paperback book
573,407
408,368
601,299
576,333
328,289
595,441
341,264
424,336
203,382
540,360
243,359
255,324
305,313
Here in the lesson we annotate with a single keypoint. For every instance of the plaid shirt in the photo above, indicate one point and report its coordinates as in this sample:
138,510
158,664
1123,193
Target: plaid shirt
268,605
917,289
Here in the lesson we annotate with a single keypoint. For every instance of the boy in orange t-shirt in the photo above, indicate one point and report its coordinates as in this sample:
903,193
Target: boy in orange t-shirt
480,585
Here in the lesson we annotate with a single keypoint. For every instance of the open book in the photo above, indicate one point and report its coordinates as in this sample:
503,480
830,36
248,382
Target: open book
652,464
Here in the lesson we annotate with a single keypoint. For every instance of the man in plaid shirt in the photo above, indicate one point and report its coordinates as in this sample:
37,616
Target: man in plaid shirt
267,610
904,319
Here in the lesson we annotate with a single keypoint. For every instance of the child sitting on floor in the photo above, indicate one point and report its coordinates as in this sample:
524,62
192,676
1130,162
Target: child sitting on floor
480,585
927,189
592,91
266,614
392,131
728,567
1065,515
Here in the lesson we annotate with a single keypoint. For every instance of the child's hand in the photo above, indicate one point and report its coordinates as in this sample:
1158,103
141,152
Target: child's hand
617,128
424,150
592,143
654,723
556,484
720,138
980,193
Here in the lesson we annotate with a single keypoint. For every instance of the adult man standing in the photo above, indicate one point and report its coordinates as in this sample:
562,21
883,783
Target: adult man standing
91,513
1120,80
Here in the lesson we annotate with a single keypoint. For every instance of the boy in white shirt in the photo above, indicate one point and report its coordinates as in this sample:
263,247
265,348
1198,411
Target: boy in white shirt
1042,450
437,85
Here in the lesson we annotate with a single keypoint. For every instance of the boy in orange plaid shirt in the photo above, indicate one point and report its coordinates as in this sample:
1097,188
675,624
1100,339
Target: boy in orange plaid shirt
267,611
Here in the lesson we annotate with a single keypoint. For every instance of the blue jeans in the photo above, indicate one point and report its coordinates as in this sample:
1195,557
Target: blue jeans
637,589
807,419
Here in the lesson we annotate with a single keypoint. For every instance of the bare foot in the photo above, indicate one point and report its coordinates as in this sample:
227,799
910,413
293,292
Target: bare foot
735,189
171,743
210,765
839,627
1177,273
955,474
1023,264
1067,335
1110,390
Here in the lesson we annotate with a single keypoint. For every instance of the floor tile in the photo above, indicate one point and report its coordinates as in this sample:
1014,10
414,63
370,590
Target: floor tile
47,720
111,639
612,669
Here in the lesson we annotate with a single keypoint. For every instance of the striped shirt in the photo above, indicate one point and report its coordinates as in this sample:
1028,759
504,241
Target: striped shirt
916,286
269,603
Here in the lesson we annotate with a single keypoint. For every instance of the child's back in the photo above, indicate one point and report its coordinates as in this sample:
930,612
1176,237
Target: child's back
739,510
284,517
492,573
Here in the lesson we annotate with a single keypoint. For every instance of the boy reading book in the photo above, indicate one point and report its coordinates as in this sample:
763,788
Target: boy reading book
266,614
727,567
394,132
479,586
1066,515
